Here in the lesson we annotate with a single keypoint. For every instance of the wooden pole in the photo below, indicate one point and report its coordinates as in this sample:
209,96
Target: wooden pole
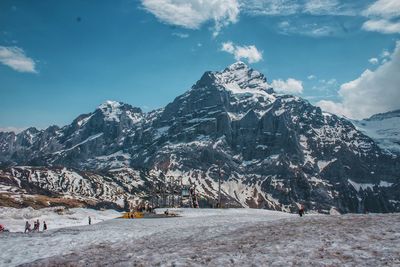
219,189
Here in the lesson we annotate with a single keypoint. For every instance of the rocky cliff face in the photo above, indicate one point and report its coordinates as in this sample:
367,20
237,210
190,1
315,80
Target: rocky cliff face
270,150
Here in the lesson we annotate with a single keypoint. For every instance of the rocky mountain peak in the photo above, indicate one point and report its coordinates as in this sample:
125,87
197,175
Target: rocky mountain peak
112,110
110,106
240,78
237,66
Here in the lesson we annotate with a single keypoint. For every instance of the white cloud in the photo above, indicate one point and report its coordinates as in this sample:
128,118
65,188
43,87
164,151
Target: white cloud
11,129
191,14
284,24
373,92
318,7
331,82
311,77
333,107
248,52
180,35
290,86
385,53
271,7
291,7
308,28
384,17
373,61
15,58
384,8
228,47
318,31
382,26
325,88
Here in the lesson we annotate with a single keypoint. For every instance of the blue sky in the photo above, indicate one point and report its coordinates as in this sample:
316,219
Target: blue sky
60,59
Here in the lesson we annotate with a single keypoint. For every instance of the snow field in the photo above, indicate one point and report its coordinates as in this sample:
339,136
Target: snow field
55,217
214,237
19,248
346,240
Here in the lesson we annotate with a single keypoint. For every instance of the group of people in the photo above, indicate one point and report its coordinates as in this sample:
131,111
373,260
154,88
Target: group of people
36,226
145,208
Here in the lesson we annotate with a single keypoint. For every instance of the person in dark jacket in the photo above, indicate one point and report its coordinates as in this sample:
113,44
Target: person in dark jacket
301,210
27,227
44,226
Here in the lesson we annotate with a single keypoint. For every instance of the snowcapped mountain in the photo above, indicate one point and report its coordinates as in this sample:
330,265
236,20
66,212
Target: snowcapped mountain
270,150
384,128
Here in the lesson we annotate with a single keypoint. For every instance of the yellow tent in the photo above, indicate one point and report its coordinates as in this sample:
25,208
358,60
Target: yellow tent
132,215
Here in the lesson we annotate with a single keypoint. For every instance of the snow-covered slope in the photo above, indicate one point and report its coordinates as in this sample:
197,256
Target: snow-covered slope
55,217
222,237
384,128
19,248
270,150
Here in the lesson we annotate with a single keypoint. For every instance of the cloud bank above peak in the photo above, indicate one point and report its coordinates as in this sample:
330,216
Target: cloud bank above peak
373,92
379,16
290,86
192,14
247,52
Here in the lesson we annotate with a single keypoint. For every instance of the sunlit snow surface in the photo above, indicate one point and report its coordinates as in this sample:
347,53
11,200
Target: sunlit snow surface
238,237
55,217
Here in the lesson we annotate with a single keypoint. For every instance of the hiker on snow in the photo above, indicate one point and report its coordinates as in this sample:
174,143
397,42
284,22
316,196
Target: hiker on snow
44,226
90,220
27,227
36,225
301,210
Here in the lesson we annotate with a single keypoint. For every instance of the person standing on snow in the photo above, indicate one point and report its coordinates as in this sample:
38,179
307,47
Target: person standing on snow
44,226
27,227
38,225
301,210
90,220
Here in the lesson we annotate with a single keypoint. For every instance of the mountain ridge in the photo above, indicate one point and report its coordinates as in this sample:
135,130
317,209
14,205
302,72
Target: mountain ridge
384,128
276,151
